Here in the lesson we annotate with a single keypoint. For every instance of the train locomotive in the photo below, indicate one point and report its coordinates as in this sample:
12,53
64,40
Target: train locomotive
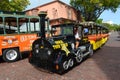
57,52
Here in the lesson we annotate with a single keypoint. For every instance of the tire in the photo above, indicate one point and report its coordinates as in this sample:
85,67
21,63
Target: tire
91,51
11,55
71,62
63,67
63,64
79,56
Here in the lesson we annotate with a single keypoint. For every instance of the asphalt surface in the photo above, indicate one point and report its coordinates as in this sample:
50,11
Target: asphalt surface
103,65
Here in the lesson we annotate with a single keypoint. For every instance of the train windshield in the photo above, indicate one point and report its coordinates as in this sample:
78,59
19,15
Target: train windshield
62,30
67,30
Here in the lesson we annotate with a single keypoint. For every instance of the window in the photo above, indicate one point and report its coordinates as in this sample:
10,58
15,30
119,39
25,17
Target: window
8,29
29,27
67,30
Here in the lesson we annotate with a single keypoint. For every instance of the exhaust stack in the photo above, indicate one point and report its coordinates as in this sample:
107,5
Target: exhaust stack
42,16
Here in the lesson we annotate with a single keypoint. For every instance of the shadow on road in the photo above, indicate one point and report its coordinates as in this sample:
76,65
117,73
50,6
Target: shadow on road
1,60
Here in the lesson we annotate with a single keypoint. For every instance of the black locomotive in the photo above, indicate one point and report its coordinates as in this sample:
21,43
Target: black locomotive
57,52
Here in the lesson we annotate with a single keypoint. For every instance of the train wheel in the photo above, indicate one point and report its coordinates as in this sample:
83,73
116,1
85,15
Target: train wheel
91,51
63,64
11,55
71,62
79,56
63,67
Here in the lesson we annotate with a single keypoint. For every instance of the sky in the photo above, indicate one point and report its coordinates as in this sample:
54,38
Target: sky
106,15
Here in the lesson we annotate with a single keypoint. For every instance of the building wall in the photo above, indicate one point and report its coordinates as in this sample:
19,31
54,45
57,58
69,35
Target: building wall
55,10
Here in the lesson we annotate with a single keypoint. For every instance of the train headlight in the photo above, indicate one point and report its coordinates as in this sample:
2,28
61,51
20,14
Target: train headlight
10,41
37,50
49,52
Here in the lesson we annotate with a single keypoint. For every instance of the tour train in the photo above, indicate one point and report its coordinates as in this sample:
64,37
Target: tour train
57,52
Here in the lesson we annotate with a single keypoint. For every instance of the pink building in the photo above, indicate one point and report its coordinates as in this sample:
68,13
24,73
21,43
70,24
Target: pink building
57,12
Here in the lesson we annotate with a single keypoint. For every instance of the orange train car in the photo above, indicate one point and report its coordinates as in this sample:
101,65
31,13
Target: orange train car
17,33
12,45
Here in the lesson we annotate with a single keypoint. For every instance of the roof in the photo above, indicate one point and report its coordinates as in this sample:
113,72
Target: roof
66,19
12,12
51,3
15,14
92,24
12,16
64,24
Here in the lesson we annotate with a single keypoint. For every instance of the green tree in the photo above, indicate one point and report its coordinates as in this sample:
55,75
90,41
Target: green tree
112,26
99,21
92,9
14,5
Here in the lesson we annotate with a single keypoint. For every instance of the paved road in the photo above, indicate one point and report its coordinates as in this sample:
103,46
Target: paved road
104,65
